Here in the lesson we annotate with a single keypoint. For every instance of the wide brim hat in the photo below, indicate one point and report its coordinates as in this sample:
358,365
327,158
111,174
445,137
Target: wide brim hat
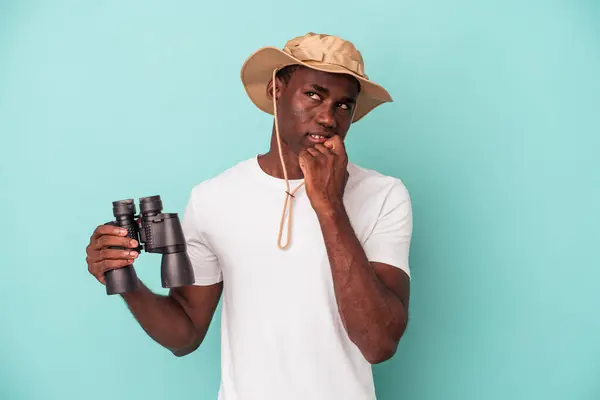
322,52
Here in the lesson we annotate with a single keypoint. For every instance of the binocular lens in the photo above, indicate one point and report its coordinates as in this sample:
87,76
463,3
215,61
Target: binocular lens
152,204
123,207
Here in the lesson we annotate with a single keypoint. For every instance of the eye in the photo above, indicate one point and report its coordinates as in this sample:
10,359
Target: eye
344,106
313,95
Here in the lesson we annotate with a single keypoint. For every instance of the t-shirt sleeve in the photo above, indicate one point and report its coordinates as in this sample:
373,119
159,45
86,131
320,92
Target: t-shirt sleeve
205,263
389,241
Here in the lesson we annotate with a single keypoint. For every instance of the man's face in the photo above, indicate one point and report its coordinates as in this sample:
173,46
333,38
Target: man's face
314,106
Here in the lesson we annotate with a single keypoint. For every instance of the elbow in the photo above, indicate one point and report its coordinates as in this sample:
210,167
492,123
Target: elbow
385,348
187,349
183,351
382,352
179,352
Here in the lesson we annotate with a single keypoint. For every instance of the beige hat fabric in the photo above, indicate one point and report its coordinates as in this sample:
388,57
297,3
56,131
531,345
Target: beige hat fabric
318,51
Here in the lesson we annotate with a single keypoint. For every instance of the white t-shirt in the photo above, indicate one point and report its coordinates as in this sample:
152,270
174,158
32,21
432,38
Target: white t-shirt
281,333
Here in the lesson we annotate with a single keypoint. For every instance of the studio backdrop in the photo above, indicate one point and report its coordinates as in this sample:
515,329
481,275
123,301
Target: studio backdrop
494,130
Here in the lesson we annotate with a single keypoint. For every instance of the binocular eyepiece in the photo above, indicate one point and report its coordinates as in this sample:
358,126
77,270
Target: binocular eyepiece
156,232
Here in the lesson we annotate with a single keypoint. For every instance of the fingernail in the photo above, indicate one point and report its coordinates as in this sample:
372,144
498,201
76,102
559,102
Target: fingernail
133,242
133,253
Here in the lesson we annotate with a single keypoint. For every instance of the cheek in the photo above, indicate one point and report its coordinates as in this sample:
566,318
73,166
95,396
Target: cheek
291,122
301,113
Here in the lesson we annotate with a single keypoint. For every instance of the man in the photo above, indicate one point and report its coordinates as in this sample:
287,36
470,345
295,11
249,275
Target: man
313,293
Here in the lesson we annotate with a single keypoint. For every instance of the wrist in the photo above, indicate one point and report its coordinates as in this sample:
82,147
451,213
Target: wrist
331,210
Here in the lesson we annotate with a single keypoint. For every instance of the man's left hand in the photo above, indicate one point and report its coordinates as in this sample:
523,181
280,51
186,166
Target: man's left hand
325,174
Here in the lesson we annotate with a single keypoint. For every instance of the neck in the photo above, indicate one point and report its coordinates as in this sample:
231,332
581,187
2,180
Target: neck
271,162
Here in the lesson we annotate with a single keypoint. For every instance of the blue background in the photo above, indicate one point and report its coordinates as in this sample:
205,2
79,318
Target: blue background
495,131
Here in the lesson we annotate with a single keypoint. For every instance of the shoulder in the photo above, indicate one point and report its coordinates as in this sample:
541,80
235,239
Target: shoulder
224,181
376,184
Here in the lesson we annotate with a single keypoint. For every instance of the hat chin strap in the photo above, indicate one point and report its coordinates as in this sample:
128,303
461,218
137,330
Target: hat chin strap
289,195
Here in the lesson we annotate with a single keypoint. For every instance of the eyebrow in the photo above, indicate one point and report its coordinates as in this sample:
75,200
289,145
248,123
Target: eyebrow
320,88
325,91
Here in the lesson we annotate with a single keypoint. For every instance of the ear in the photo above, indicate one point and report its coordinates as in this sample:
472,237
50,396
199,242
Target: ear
278,89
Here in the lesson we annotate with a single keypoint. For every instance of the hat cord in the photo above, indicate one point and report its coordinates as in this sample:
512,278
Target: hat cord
289,194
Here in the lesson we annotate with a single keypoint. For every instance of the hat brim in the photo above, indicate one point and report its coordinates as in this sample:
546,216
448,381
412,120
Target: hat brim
258,69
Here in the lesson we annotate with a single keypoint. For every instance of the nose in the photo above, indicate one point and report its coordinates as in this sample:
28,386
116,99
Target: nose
325,117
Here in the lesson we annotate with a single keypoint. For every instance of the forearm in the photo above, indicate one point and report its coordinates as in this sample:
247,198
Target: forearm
373,316
163,319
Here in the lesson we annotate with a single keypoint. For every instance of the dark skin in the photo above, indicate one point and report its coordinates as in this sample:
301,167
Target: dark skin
178,321
372,297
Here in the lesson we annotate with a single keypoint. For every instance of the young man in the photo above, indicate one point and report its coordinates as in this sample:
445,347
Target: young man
309,251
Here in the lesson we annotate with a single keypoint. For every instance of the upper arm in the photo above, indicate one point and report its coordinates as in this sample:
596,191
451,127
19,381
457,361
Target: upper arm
200,300
199,303
388,245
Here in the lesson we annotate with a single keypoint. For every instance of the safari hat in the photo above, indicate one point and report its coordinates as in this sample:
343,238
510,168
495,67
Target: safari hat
322,52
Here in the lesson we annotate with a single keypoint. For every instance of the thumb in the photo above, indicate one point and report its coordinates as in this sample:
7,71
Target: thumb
303,164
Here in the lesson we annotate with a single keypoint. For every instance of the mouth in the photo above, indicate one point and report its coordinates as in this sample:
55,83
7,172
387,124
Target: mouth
318,138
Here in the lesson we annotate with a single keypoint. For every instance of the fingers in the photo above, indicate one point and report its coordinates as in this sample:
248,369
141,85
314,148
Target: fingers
322,149
335,144
99,268
306,159
106,259
302,160
323,154
316,155
101,256
110,254
108,230
313,151
117,241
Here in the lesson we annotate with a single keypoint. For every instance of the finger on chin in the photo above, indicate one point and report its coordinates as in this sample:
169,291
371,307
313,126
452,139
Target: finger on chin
313,151
322,148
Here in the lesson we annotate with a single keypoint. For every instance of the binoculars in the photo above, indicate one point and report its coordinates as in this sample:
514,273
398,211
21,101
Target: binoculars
156,232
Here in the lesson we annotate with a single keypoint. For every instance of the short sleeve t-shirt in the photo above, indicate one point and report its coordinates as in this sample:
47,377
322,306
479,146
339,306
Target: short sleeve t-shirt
281,333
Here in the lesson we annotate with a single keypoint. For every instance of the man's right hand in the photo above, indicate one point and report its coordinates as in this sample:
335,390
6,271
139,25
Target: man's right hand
177,321
100,258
